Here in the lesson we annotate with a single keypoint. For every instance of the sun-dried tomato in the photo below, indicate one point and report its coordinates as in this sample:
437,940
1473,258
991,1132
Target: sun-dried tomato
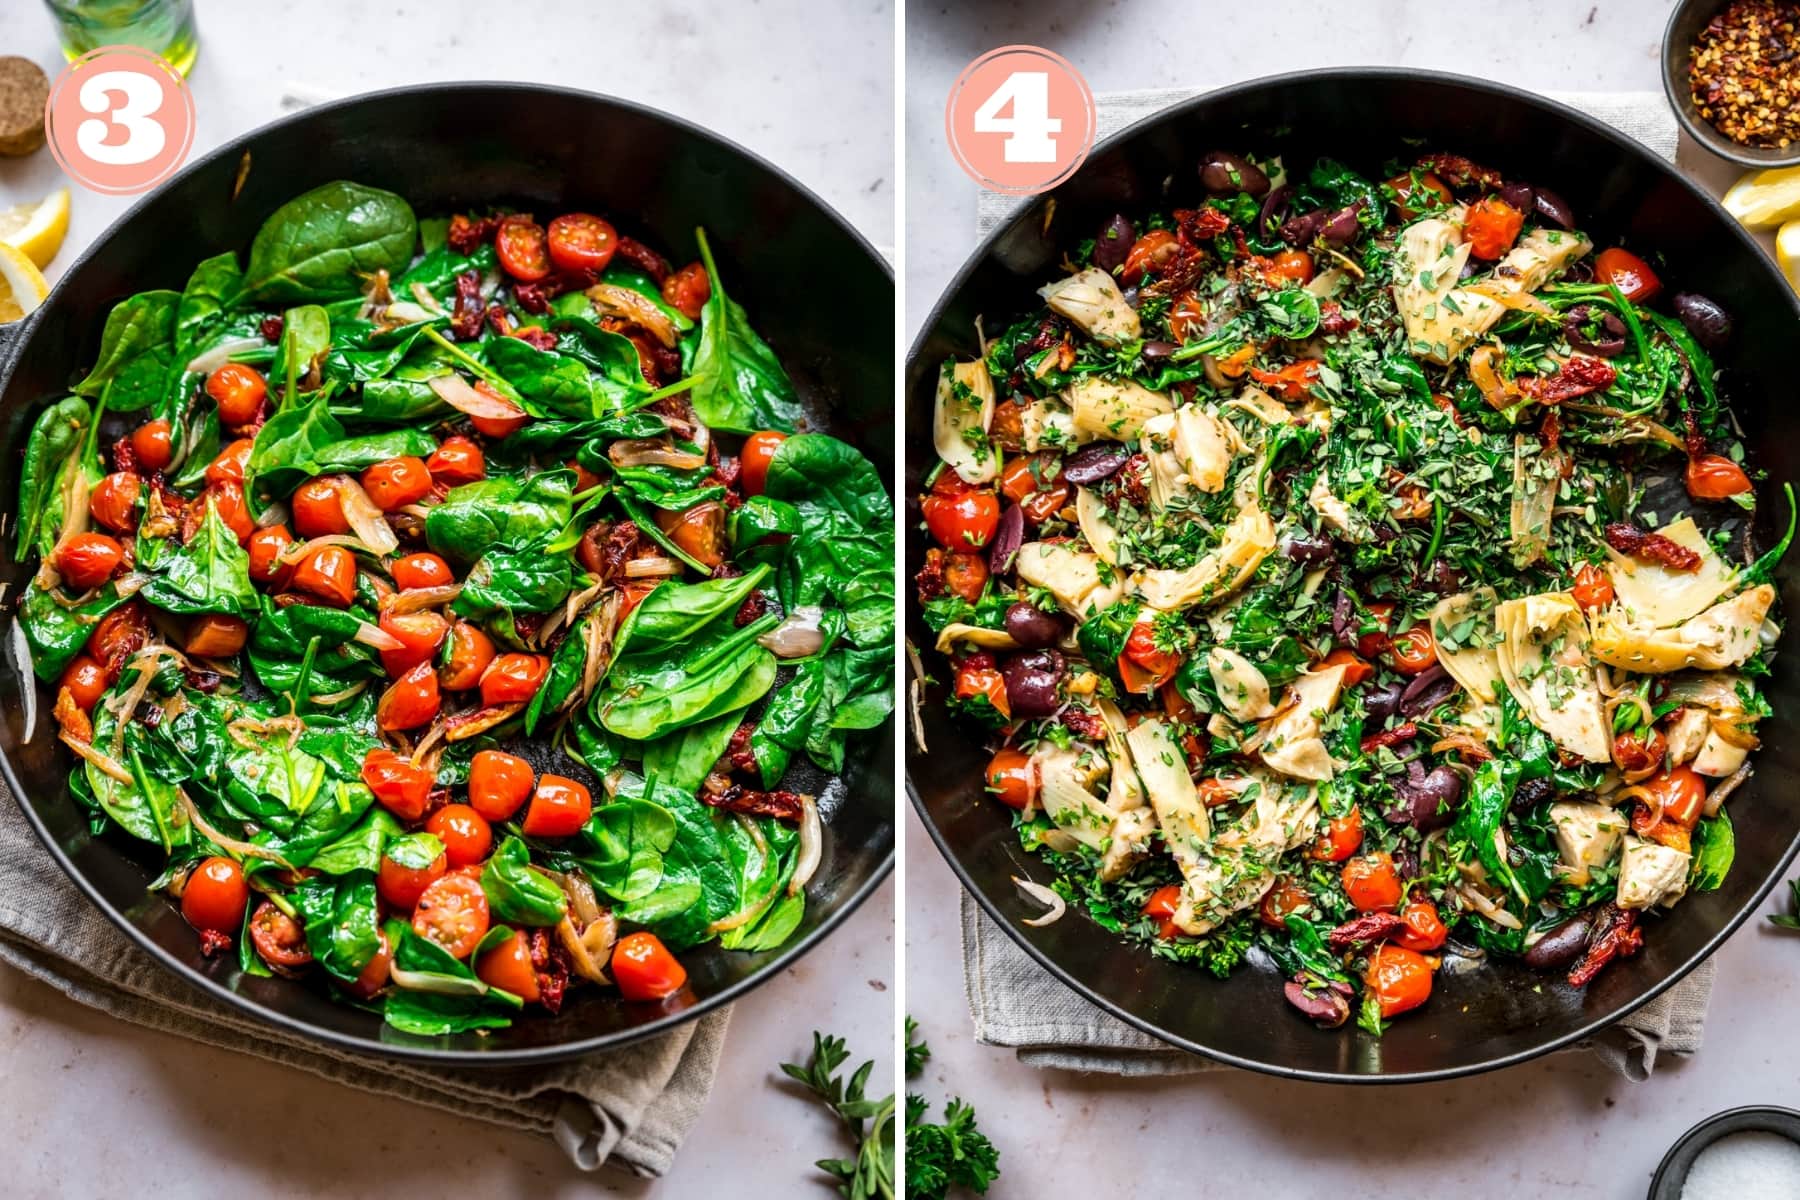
467,234
1201,225
1461,173
737,751
213,942
467,312
1086,724
1651,547
1615,935
930,579
783,806
1390,737
1334,320
124,456
1134,480
1583,373
271,328
1365,930
535,337
643,258
550,963
73,720
756,606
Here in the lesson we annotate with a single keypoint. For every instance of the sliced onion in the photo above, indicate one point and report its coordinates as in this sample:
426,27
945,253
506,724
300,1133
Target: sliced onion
633,306
1488,908
1515,300
219,355
812,845
797,637
293,552
21,655
483,720
916,696
426,300
329,698
598,630
376,638
366,518
418,599
1716,798
127,702
742,916
1483,374
275,514
99,759
1733,734
652,452
455,391
441,985
651,566
1043,895
235,845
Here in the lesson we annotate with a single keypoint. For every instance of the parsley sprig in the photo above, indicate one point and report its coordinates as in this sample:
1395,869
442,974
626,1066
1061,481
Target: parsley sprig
940,1157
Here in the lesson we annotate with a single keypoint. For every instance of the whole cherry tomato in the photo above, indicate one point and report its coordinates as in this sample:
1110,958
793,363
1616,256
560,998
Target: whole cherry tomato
698,531
1341,837
512,678
524,248
318,509
977,675
466,835
87,560
1148,254
497,427
265,549
471,652
457,460
559,808
1414,651
216,635
1492,226
1012,779
407,868
400,785
753,460
1424,930
964,522
86,681
114,501
1416,192
688,290
1035,483
1400,979
499,784
1281,901
1291,383
1627,272
1374,645
397,482
239,392
152,443
1187,317
1161,906
1593,586
965,575
453,915
410,701
421,570
1635,752
644,969
1715,477
329,572
229,464
1155,664
1371,882
215,895
581,242
227,499
419,635
507,966
1290,266
374,974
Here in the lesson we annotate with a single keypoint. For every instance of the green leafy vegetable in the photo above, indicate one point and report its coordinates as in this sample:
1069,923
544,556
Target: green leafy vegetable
323,243
741,386
869,1123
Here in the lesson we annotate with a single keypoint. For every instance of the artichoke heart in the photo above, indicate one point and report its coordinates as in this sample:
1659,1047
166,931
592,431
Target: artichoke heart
1067,777
1093,301
1463,627
1113,409
1243,690
1081,582
1291,741
1546,669
1096,525
1716,639
1242,859
960,419
1652,595
1651,874
1248,540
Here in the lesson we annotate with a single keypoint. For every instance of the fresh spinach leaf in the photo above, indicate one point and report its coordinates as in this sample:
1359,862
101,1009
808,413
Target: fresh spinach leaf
514,581
55,632
740,384
205,301
517,892
684,758
321,244
626,841
1715,848
138,325
502,512
55,441
353,455
208,574
343,928
282,455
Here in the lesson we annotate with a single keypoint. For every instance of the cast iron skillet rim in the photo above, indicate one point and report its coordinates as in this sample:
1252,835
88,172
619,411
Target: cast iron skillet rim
991,907
11,346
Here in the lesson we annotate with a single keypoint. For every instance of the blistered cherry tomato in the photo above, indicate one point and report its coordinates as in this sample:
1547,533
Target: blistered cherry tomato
1374,645
400,785
318,509
1400,979
421,570
644,969
329,573
216,635
1424,930
114,501
963,522
512,678
1414,651
120,634
499,784
402,883
86,681
1161,906
410,701
153,445
239,392
471,653
1492,226
278,938
1593,586
1149,253
1340,838
1627,272
229,464
397,482
1281,901
1715,477
453,914
965,575
1415,193
559,808
1145,666
1371,882
1290,266
753,460
1012,779
976,675
688,290
215,895
457,460
524,248
581,242
227,499
1035,483
374,974
497,427
419,635
88,560
698,531
466,835
507,966
265,549
1187,317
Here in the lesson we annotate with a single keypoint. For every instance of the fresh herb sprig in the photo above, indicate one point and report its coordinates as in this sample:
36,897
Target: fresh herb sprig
870,1174
954,1154
1791,918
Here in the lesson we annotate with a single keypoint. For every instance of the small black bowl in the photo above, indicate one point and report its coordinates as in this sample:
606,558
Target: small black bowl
1671,1174
1685,24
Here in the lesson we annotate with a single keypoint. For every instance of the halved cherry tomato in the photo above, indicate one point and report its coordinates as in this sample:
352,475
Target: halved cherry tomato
1280,901
1156,664
1414,194
499,784
1356,670
466,835
976,675
500,426
1682,794
397,483
265,548
410,701
114,501
120,634
964,522
698,531
965,575
688,290
1341,837
317,508
1374,645
457,460
86,681
153,445
1371,882
215,895
227,499
1715,477
471,652
507,966
329,573
1161,906
1424,930
229,464
524,248
1292,382
419,635
1593,586
1400,979
216,635
1290,266
1414,651
239,392
374,974
1148,253
1187,316
1012,779
753,460
401,883
278,938
421,570
88,560
1492,226
1214,792
581,242
644,969
401,786
559,808
513,677
1035,483
453,914
1636,752
1627,272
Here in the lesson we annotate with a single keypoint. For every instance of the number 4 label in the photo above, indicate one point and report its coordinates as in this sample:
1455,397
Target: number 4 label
1030,126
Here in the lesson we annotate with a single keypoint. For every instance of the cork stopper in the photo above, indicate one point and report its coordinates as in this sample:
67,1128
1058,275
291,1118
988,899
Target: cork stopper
24,90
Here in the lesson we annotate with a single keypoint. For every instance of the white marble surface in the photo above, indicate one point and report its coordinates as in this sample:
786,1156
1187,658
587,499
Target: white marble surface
95,1108
1559,1127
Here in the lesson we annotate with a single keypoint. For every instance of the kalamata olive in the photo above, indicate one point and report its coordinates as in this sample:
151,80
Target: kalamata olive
1325,1002
1009,535
1705,319
1532,792
1223,173
1114,243
1301,228
1094,462
1032,679
1343,626
1553,208
1427,798
1309,548
1607,342
1274,209
1032,627
1157,351
1406,861
1383,702
1426,691
1521,196
1342,227
1561,946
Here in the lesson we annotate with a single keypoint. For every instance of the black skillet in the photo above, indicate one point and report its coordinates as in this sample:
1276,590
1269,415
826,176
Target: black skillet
1484,1019
814,287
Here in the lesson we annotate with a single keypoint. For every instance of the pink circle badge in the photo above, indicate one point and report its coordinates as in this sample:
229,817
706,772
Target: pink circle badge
119,120
1020,120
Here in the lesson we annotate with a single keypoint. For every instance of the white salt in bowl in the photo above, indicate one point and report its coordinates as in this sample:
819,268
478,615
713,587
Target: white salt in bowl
1753,1157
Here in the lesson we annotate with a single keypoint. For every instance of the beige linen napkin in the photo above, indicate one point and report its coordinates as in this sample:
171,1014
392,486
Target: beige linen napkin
629,1109
1015,1003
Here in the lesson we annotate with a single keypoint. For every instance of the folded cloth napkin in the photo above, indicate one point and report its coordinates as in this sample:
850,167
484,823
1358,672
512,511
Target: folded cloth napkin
628,1109
1015,1003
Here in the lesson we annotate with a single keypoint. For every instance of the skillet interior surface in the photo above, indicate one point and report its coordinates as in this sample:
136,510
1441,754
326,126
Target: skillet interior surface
1365,117
446,148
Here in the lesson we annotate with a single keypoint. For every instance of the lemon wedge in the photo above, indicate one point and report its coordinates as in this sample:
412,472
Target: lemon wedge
1787,252
22,286
37,229
1765,199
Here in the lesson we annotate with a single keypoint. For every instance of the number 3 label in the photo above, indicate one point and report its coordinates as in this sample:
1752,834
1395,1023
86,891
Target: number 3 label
120,120
1020,120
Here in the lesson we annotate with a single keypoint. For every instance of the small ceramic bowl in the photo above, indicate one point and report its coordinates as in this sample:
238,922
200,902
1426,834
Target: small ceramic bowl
1671,1174
1685,24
